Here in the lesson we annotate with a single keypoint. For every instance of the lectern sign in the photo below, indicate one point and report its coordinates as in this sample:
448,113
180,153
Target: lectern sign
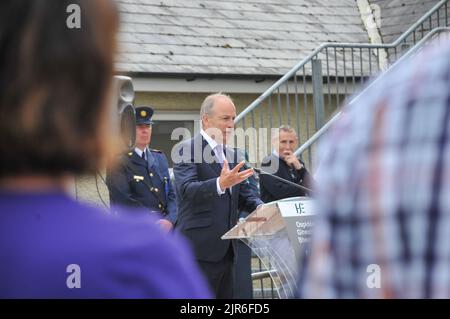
298,216
296,208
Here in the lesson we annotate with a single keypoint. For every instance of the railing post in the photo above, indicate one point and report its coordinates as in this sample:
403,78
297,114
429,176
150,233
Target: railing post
317,82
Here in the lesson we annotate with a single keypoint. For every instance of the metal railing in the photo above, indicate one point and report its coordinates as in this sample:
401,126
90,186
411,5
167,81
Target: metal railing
263,284
430,36
311,93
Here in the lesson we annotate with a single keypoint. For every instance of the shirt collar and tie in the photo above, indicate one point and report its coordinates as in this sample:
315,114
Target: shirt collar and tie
141,153
219,149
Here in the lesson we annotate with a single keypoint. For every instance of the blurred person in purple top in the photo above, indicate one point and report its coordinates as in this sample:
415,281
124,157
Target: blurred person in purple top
54,87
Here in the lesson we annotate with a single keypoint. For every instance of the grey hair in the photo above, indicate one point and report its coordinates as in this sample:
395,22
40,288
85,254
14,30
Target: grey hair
284,128
208,102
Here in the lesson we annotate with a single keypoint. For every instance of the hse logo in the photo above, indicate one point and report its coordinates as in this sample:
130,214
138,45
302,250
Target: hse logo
300,208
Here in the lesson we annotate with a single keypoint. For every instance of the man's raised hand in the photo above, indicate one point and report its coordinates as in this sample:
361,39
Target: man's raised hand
229,178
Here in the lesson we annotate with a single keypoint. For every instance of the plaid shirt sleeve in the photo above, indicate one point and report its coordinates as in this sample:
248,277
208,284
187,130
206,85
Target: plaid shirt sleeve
383,228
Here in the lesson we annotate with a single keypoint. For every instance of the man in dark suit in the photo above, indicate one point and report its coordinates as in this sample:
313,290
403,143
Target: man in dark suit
283,163
142,178
211,189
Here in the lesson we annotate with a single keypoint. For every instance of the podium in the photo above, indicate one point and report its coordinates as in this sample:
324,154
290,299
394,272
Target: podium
279,233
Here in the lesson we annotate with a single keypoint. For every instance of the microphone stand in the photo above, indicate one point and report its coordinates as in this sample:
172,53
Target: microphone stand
303,188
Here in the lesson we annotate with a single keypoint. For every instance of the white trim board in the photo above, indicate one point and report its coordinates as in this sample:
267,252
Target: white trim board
245,86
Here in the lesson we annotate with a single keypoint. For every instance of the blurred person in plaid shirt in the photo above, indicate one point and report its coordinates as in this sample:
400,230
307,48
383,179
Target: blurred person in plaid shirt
383,229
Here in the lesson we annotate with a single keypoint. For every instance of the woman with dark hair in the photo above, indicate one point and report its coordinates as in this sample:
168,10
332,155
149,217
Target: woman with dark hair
55,84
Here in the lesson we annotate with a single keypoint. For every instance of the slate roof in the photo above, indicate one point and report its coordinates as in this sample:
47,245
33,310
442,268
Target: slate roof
398,15
230,37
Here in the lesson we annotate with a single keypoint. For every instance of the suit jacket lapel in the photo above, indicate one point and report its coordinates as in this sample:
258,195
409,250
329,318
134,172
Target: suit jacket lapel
150,159
217,167
231,157
206,149
153,162
232,160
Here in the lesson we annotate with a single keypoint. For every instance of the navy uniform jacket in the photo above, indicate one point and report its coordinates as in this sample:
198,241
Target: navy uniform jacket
140,183
272,189
204,215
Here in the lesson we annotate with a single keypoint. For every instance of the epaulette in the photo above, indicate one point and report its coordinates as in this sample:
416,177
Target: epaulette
154,150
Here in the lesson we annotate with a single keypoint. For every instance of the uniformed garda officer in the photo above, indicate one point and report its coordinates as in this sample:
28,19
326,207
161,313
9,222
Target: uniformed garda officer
142,178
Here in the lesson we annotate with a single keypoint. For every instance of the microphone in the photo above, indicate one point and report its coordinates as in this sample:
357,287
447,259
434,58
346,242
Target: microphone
262,172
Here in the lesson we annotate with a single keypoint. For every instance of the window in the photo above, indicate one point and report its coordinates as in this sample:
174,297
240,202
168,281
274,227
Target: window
166,123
